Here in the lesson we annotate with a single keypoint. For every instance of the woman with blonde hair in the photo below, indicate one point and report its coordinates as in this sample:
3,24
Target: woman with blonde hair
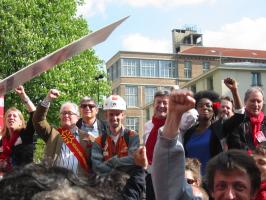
16,144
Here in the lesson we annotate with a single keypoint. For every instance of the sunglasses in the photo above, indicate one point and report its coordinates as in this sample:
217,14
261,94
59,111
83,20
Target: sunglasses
190,181
87,105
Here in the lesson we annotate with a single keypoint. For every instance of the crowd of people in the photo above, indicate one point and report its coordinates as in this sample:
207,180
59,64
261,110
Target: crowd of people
196,146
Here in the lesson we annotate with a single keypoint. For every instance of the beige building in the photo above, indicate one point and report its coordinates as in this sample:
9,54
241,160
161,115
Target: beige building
136,76
246,74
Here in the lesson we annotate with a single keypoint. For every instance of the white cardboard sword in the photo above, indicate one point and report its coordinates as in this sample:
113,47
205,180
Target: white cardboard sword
58,56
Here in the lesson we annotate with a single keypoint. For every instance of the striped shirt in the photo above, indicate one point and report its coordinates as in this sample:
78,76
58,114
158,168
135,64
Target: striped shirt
66,158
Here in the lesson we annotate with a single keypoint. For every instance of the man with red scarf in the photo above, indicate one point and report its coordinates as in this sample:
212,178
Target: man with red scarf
160,105
246,131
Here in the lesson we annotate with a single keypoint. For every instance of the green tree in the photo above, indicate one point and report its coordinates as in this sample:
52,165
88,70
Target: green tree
31,29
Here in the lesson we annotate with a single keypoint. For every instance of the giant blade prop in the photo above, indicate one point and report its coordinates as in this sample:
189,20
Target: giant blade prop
49,61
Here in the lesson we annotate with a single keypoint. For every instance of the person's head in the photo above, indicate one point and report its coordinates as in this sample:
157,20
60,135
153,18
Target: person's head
259,155
69,114
14,121
226,109
253,100
39,182
192,171
160,103
233,175
206,104
88,108
115,107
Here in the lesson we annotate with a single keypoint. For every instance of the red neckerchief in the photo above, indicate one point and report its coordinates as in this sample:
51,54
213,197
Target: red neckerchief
261,194
151,141
75,147
256,125
7,143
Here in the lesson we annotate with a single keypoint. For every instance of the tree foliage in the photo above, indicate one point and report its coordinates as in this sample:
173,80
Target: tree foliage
31,29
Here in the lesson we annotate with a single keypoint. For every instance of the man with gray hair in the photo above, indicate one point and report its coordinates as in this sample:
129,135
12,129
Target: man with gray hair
88,121
65,146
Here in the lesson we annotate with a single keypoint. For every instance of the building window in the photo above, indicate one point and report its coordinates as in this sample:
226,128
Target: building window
132,123
187,69
256,79
148,113
209,83
115,91
193,88
130,67
167,68
149,94
115,71
205,66
131,96
149,68
109,72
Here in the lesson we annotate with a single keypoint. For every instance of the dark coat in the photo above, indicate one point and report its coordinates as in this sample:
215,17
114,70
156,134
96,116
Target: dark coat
239,132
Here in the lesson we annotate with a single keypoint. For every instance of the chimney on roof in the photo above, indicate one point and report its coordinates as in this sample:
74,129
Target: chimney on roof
186,38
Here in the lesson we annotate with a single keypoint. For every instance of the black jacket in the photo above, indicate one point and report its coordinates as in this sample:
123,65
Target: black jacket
239,132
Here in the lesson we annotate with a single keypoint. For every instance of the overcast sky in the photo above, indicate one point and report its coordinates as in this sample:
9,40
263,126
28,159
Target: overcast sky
224,23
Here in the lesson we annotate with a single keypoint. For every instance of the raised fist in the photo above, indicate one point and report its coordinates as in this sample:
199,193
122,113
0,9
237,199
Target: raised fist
53,94
180,101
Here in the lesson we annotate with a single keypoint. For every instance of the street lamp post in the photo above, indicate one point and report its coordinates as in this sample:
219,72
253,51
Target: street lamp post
97,78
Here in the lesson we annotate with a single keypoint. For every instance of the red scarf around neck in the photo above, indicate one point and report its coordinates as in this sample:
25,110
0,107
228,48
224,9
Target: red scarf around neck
256,125
5,155
151,141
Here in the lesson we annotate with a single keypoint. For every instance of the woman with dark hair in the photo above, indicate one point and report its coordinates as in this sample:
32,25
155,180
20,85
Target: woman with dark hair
16,144
201,141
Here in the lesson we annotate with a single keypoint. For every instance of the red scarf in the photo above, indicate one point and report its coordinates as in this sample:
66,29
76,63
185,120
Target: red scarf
7,144
261,194
151,141
256,125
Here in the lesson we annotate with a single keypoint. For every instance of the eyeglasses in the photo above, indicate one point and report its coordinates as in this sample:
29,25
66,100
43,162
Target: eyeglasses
191,181
91,106
68,113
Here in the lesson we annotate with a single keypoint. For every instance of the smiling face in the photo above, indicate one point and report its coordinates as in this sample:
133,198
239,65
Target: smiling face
14,119
226,109
232,185
161,106
254,103
115,119
205,110
88,110
68,116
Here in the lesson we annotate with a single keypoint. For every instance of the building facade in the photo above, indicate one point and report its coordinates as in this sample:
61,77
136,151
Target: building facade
136,76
